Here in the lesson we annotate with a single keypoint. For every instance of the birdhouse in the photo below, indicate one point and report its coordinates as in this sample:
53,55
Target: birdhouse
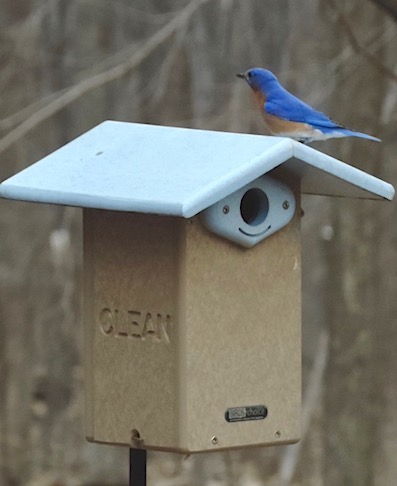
192,278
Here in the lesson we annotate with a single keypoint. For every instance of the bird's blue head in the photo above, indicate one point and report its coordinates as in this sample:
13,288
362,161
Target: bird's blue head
259,78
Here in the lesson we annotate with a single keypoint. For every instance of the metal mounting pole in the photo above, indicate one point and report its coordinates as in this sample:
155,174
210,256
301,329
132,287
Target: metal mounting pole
137,467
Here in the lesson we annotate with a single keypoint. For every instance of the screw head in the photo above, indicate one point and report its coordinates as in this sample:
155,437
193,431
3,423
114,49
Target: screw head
214,440
285,205
225,209
278,434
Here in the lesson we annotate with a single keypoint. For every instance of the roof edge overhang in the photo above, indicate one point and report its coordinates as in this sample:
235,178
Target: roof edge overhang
252,157
370,186
231,182
320,174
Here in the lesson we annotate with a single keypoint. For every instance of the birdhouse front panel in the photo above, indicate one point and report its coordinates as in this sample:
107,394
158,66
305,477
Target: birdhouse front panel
241,356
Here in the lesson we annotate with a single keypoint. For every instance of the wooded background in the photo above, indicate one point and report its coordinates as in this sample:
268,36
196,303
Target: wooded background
67,65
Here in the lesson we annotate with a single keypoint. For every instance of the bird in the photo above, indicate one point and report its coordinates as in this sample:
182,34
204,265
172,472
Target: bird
285,115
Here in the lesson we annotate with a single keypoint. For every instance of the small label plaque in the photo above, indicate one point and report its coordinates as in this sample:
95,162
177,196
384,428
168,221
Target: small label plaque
242,414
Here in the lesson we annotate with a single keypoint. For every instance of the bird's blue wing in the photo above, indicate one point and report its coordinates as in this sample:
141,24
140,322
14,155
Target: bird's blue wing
288,107
282,104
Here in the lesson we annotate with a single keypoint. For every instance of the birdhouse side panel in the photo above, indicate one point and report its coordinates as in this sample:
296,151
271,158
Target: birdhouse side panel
131,275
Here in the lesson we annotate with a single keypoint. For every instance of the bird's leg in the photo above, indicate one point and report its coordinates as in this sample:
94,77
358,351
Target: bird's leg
305,141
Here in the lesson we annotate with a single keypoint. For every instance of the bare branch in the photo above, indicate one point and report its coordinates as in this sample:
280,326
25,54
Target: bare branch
358,47
16,118
104,77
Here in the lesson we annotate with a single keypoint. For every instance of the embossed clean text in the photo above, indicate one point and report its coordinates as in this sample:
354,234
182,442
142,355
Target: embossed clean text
134,324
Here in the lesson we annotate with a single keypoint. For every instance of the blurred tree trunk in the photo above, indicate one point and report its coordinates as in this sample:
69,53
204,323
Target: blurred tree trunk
200,42
389,5
11,11
353,387
57,30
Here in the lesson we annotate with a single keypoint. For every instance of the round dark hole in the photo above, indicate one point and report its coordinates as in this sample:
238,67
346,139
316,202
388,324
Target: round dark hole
254,207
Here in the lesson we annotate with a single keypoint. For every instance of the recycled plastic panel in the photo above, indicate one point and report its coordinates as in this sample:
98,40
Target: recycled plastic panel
131,345
182,325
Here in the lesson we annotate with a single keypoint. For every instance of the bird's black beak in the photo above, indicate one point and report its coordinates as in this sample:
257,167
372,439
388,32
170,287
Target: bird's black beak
241,75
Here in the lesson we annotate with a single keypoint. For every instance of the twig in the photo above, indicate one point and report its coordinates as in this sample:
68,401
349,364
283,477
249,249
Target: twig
358,47
104,77
17,117
168,61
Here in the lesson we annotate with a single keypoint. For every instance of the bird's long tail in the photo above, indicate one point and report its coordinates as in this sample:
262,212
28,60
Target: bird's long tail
352,133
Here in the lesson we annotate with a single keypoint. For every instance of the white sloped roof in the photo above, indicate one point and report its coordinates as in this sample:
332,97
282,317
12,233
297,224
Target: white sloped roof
177,171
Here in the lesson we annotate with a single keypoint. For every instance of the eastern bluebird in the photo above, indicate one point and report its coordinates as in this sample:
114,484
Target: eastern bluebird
286,115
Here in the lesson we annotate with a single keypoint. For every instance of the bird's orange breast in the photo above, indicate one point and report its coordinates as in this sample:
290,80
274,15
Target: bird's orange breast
278,126
260,98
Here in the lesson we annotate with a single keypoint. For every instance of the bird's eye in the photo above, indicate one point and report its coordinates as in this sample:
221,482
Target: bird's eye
249,74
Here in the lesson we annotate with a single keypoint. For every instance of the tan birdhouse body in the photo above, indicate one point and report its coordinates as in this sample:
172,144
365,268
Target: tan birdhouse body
182,327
